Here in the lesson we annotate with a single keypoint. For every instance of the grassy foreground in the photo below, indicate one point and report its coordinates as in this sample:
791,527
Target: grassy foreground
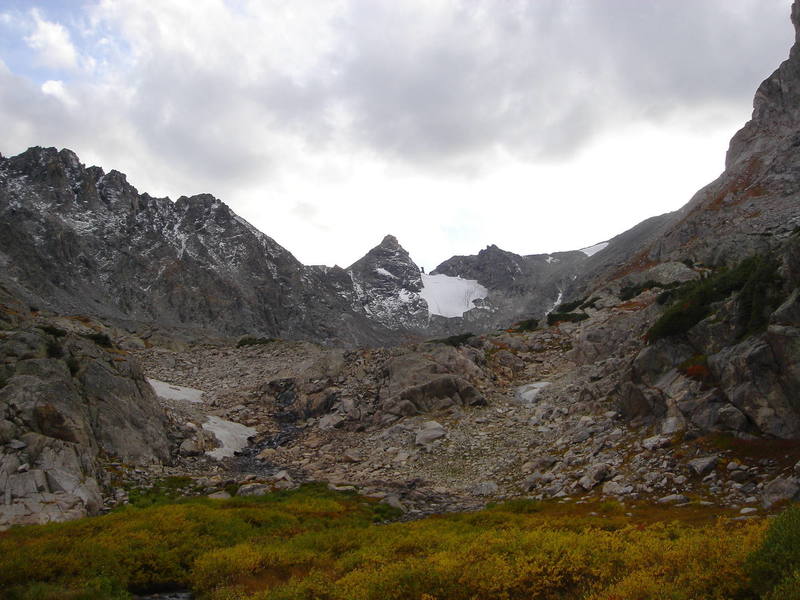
316,544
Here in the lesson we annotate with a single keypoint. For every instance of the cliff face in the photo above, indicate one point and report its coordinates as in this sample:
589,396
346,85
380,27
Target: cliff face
67,407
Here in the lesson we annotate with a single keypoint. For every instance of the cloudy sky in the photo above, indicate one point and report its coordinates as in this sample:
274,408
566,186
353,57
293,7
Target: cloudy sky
537,125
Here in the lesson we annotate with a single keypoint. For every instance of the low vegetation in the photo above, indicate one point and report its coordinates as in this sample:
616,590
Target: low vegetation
560,317
313,543
755,279
251,340
567,307
454,340
631,291
99,338
526,325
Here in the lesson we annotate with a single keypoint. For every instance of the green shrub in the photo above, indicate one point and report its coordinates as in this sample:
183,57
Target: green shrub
454,340
73,365
589,303
558,317
99,338
527,325
756,278
760,296
631,291
250,340
567,307
775,564
162,491
54,349
54,331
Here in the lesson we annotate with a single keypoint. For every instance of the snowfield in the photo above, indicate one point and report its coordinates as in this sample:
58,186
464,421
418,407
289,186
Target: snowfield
450,296
594,249
170,391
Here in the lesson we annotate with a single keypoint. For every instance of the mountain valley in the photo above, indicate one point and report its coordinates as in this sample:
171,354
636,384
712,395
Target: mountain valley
147,344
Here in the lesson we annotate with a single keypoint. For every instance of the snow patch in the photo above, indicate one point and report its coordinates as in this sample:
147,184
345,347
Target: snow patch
169,391
384,272
232,436
450,296
592,250
556,303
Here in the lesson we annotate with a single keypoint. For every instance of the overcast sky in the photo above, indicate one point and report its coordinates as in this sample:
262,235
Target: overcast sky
536,125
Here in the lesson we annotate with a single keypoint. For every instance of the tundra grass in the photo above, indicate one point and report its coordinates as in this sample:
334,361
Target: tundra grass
317,544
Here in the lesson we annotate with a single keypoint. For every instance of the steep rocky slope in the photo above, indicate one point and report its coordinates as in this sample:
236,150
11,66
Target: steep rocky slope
68,408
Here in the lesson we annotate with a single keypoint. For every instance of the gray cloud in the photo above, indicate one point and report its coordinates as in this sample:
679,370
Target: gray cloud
543,77
431,84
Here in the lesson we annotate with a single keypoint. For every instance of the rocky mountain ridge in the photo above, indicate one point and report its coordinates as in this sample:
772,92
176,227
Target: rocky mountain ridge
77,240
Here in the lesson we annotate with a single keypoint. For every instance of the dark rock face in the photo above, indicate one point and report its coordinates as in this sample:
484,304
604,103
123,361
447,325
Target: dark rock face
519,286
386,285
64,401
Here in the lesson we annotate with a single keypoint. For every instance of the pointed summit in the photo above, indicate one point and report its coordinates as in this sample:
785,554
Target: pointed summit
390,242
388,285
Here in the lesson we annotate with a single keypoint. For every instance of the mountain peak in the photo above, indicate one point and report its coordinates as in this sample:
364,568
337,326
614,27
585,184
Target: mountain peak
389,242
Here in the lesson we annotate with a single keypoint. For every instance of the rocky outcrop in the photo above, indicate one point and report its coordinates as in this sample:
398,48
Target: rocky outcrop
65,402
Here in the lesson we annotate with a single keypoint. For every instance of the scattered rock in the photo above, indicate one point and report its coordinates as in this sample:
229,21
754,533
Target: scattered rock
429,433
674,499
704,465
780,490
485,488
253,489
220,495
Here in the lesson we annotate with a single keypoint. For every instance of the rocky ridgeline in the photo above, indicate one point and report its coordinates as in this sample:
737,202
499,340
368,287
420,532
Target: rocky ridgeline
74,239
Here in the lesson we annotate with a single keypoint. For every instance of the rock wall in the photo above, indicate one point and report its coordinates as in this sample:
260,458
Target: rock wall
65,403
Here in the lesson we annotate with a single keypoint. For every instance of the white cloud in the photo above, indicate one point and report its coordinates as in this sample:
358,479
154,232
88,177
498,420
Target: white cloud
56,89
52,43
